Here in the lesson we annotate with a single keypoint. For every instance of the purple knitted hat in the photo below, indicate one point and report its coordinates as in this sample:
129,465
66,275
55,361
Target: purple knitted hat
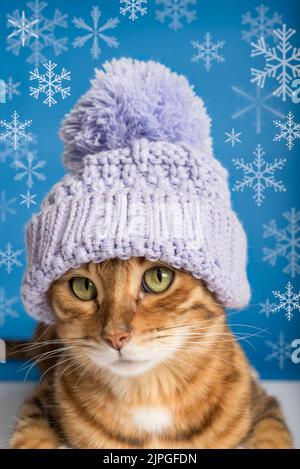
142,181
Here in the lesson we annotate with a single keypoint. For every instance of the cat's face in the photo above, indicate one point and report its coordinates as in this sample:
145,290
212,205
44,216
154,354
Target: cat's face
130,316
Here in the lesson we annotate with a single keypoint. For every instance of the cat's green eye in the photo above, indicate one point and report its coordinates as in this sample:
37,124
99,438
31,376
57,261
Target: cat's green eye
83,288
157,279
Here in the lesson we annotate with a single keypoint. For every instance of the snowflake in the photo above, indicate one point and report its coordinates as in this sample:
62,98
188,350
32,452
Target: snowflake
95,32
43,33
256,103
233,137
6,308
259,175
280,350
208,51
23,28
5,206
281,62
287,242
15,130
12,88
28,199
30,170
50,83
261,25
288,301
289,131
176,11
9,258
19,153
134,7
267,308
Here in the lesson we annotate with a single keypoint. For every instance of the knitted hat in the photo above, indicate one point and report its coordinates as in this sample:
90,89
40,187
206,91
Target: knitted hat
142,181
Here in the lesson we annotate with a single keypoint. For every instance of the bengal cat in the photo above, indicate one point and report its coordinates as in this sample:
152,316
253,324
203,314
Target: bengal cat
141,357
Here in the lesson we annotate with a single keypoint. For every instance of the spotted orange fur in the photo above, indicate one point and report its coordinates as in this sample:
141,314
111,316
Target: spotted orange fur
179,380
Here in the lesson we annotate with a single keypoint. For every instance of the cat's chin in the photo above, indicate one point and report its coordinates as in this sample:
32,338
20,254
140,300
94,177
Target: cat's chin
120,365
127,368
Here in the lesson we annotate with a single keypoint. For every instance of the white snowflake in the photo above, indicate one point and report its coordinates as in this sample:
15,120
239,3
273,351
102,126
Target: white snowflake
233,137
261,25
289,130
24,147
95,32
208,51
50,83
30,170
12,88
176,11
259,175
288,301
44,33
23,28
9,258
28,199
256,103
6,307
15,131
6,206
280,351
134,8
282,62
287,242
267,308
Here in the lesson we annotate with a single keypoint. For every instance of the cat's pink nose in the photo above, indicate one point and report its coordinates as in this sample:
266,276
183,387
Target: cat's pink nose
116,339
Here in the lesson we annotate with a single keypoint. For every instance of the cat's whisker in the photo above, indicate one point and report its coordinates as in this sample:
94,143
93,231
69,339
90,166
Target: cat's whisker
45,355
28,347
54,366
201,342
33,349
46,329
76,359
176,358
208,335
42,357
205,353
190,348
178,326
73,361
32,365
83,373
171,360
200,325
204,334
40,343
38,358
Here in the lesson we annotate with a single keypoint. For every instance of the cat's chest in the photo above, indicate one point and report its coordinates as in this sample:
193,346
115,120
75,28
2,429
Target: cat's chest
151,419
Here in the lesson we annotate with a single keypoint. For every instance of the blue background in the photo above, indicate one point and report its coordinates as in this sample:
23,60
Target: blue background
147,38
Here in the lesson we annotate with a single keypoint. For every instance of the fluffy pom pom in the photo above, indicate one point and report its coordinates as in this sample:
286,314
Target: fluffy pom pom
129,100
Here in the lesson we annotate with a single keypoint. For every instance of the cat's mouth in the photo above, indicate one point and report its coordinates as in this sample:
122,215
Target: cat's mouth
124,365
130,367
126,361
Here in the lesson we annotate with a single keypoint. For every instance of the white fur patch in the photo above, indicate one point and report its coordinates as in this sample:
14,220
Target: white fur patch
152,419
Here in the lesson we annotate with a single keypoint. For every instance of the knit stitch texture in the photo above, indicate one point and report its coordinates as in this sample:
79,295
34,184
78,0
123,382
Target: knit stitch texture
141,181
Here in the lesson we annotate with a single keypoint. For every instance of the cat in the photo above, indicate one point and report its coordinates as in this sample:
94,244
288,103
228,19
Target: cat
141,356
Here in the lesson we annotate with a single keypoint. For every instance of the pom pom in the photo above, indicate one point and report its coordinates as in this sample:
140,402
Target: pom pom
129,100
